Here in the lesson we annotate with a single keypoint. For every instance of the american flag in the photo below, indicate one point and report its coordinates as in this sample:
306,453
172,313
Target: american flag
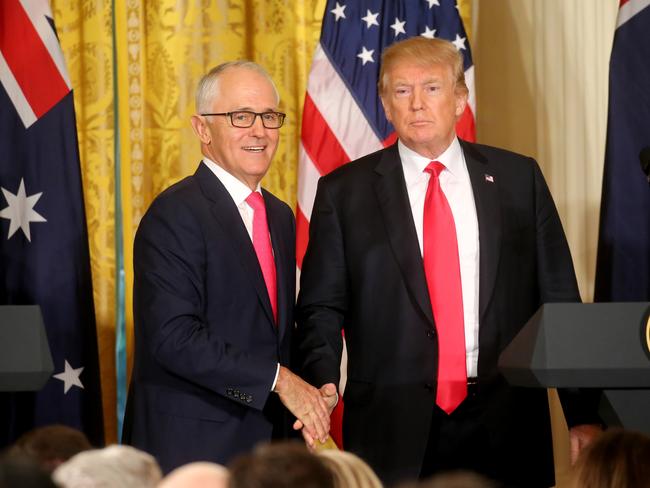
44,257
343,118
623,267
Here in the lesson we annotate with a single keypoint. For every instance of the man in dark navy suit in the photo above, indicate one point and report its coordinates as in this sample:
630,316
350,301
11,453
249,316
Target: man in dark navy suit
432,254
214,291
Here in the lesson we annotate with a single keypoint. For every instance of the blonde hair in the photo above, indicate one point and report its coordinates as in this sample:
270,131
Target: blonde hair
423,51
617,459
349,470
199,473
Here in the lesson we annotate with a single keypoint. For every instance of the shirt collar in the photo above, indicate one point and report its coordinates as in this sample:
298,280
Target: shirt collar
414,163
237,190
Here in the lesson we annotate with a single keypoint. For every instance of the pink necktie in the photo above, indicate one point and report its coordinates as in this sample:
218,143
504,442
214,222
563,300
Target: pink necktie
263,249
442,270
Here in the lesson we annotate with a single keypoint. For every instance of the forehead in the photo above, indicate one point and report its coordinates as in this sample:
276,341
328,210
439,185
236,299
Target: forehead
244,88
411,71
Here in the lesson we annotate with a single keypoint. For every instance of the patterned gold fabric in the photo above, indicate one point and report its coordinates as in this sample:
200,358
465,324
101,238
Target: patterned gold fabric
85,31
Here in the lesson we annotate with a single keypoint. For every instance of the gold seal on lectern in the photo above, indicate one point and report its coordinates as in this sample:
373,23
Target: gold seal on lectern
647,334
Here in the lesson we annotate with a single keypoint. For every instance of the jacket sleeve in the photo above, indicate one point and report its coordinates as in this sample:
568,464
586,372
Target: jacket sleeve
557,283
323,296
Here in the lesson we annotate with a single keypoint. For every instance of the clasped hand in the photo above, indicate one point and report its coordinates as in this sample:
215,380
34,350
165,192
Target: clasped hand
311,406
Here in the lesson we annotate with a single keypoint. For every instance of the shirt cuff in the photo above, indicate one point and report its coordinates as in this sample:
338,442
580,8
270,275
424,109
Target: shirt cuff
275,380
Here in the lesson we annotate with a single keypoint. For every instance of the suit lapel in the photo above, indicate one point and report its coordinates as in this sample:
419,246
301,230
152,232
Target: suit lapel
485,185
280,254
394,204
226,212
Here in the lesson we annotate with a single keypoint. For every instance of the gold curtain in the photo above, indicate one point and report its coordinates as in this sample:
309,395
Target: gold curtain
86,35
141,63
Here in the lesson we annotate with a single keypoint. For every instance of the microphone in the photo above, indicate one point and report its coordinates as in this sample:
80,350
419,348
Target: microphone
644,158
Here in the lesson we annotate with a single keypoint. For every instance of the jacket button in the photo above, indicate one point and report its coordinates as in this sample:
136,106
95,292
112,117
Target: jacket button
431,334
249,399
229,391
428,386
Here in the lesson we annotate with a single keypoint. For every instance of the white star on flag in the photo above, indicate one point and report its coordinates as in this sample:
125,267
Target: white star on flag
70,377
433,2
429,33
366,56
398,27
370,19
20,211
339,11
459,42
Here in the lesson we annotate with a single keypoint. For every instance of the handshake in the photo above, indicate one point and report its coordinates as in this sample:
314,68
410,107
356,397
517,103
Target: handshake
311,406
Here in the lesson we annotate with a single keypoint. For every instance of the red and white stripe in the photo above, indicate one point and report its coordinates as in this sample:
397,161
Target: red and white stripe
32,67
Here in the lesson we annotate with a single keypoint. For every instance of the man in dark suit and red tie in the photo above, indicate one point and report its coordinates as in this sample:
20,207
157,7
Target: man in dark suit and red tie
432,254
214,292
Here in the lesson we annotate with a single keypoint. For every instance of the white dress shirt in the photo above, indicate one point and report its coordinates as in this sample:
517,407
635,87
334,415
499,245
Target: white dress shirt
457,187
239,193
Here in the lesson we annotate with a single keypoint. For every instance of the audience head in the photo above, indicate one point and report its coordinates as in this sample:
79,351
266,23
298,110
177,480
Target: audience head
349,470
51,445
616,459
197,475
454,479
280,465
18,470
111,467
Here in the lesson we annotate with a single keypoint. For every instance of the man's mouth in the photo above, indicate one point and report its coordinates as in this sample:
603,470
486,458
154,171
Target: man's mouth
254,149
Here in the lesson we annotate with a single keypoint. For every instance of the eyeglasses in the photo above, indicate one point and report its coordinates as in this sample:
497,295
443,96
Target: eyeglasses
245,118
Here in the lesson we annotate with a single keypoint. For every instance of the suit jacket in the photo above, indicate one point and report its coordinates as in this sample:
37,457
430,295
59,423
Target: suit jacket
206,345
363,271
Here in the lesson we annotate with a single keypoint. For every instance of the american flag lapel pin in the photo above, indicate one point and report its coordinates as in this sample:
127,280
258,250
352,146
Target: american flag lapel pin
489,178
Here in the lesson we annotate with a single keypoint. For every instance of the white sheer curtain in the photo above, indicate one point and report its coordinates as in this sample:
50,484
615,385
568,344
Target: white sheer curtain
542,76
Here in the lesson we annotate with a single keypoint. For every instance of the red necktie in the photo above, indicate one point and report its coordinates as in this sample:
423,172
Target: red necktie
263,249
442,270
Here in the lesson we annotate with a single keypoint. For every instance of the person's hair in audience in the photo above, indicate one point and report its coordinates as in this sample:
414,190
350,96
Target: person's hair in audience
51,445
454,479
280,465
350,471
19,470
197,475
112,467
617,459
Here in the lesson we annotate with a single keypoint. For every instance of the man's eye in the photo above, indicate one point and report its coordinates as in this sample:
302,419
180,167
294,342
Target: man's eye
270,116
241,116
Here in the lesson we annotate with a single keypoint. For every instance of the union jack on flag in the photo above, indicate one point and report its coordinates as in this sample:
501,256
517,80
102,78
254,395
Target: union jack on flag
343,118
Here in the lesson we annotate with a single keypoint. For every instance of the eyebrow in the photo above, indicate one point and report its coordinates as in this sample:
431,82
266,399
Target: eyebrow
410,83
250,109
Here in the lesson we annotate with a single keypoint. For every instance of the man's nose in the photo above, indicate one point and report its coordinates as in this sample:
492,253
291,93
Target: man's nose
416,100
257,128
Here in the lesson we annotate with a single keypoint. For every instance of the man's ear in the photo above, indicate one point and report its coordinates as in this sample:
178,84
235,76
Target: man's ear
201,129
386,110
461,102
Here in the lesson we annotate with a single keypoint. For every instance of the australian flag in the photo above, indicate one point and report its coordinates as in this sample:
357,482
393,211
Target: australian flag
44,256
623,269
